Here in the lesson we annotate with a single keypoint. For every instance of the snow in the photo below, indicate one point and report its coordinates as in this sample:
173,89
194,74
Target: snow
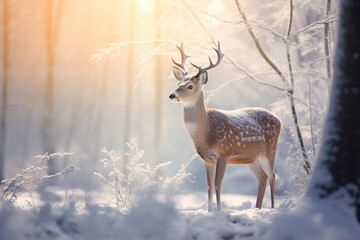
185,218
316,219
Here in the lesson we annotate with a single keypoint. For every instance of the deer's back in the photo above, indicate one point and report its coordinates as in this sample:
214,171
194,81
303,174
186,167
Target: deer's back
242,131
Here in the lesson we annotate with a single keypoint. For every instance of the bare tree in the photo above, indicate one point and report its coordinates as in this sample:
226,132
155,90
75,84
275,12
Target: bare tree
334,191
4,87
159,89
129,84
326,40
48,115
52,29
288,83
339,154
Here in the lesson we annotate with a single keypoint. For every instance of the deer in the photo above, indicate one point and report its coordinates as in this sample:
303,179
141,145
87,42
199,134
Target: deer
220,137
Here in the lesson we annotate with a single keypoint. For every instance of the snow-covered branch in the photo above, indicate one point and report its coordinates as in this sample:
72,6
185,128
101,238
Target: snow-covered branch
29,178
331,19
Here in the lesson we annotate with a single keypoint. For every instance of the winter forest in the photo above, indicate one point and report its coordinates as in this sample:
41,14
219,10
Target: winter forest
91,146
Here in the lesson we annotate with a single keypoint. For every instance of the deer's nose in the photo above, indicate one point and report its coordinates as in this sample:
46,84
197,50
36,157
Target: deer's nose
172,96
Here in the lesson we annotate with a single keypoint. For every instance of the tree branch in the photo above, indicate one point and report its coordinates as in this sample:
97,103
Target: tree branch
327,20
290,87
326,41
290,18
257,44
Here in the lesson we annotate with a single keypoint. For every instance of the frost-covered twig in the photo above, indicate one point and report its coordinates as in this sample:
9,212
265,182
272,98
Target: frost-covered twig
199,21
306,165
140,177
330,19
251,76
113,48
211,93
255,24
326,41
258,45
30,177
310,118
220,18
267,28
228,58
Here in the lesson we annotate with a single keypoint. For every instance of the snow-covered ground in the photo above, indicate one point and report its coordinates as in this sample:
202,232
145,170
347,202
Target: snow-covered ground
77,215
237,220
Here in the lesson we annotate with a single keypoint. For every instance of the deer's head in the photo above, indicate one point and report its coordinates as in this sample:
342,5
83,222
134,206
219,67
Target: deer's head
190,86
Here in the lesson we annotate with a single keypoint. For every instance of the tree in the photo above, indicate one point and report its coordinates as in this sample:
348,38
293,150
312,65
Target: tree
339,156
333,196
290,86
5,79
49,88
326,40
52,29
129,83
159,89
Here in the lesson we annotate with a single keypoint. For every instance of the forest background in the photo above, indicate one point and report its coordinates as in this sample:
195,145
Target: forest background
80,76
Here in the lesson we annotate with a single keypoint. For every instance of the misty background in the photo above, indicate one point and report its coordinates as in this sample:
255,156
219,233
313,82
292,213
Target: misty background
80,76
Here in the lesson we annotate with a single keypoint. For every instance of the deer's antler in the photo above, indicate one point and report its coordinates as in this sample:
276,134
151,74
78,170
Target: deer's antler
184,57
220,56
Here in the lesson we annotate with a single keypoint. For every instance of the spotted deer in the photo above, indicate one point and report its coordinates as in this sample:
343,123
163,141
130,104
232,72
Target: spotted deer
242,136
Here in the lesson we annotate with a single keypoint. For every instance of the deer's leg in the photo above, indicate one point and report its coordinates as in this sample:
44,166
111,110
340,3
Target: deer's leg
210,174
271,175
270,161
220,171
272,189
261,178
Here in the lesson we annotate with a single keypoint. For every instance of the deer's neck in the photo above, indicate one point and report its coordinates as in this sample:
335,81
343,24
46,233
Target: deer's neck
196,121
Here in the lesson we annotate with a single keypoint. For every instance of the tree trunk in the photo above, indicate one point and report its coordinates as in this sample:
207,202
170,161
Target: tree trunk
52,31
338,165
331,206
5,67
98,125
158,95
129,85
326,41
49,88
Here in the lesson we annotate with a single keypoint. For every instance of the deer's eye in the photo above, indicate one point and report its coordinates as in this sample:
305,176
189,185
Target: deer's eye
189,87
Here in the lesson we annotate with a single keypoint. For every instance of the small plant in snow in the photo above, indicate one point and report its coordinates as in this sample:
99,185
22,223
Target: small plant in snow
115,179
28,179
139,178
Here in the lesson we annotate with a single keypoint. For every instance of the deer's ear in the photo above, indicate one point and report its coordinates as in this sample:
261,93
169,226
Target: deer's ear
203,78
179,73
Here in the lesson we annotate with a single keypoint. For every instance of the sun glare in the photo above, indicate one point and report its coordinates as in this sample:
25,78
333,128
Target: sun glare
145,5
